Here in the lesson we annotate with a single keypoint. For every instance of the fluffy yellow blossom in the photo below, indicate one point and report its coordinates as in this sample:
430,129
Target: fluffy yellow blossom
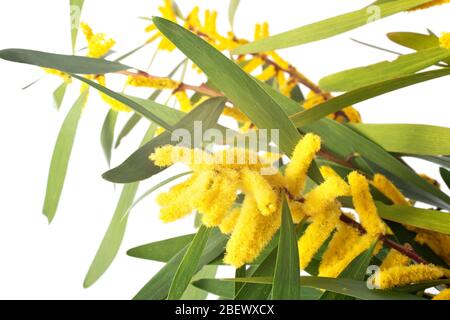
349,114
99,44
267,74
317,233
394,259
183,100
152,82
113,103
303,155
343,248
438,242
387,188
267,199
229,222
167,13
364,205
443,295
444,40
261,31
402,275
430,4
251,234
253,64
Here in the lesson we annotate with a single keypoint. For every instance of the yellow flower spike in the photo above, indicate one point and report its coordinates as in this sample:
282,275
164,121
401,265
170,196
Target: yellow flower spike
394,259
229,222
167,11
322,197
152,82
268,73
267,200
193,19
113,103
279,61
253,64
343,248
328,172
236,114
281,79
168,155
403,275
316,234
218,200
265,30
364,205
257,34
301,159
438,242
87,31
166,198
429,4
252,233
98,44
183,100
185,202
443,295
386,187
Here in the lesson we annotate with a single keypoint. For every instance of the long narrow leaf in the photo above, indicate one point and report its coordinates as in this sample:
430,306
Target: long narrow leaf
232,8
65,63
286,280
189,265
364,76
76,6
58,94
114,234
329,27
61,156
107,134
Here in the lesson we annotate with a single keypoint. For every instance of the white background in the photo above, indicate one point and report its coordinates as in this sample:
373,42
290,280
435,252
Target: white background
39,261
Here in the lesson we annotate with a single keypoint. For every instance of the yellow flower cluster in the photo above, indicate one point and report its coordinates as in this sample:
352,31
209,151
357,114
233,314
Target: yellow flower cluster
152,82
443,295
98,44
403,275
430,4
444,40
348,114
183,100
438,242
219,177
394,259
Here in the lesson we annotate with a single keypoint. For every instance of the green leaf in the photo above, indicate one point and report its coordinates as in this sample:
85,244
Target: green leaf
361,94
61,156
237,85
422,218
415,41
107,134
139,167
349,287
329,27
363,76
163,250
194,293
445,174
158,287
286,280
189,265
76,6
226,289
127,128
234,4
116,230
65,63
356,270
408,138
58,94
